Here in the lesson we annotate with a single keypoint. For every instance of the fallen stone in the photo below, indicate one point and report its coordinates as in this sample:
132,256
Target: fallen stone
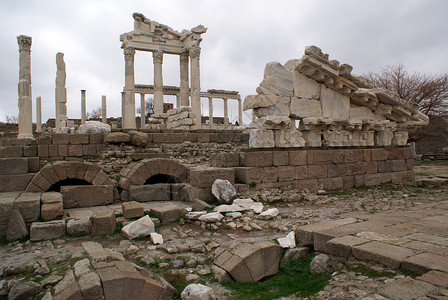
197,291
51,280
117,138
194,215
211,217
223,190
319,264
81,267
407,288
41,231
94,127
234,215
156,238
138,138
268,214
87,195
24,290
225,208
221,274
78,227
90,285
295,253
168,213
191,277
200,205
52,206
132,209
16,228
140,228
68,279
103,222
289,241
29,206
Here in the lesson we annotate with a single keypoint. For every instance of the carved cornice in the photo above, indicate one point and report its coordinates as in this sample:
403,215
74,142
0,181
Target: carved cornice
157,56
129,53
24,42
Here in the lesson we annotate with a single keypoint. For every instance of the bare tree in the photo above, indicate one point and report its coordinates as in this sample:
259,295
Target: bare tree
149,107
94,113
430,92
12,119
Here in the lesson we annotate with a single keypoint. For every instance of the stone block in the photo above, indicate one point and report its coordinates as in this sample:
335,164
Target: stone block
42,151
150,192
52,206
49,173
305,86
225,159
96,138
204,177
90,285
117,138
305,234
103,222
348,182
386,254
373,179
334,104
342,246
30,151
113,282
168,138
324,184
257,159
41,231
168,213
342,156
304,108
72,292
62,150
40,181
132,210
301,172
75,150
16,228
11,183
53,150
77,139
400,177
379,154
286,173
89,150
435,278
13,166
248,175
280,158
78,227
318,171
87,195
298,158
10,151
33,164
60,139
399,165
424,262
261,138
29,206
309,184
395,153
153,290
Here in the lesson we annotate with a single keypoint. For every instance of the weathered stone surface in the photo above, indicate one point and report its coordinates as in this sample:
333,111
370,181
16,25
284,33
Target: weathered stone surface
408,288
90,285
289,138
18,182
268,214
156,238
150,192
87,195
424,262
52,206
305,86
103,222
137,138
211,217
117,137
206,176
225,159
29,206
319,264
261,138
277,79
168,213
197,291
304,108
41,231
140,228
12,166
257,101
16,227
435,278
81,267
223,190
305,234
24,290
389,255
272,122
251,262
78,227
132,209
342,246
113,282
289,241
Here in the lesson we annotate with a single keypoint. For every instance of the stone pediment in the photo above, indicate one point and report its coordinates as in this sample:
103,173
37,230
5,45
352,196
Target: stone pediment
333,106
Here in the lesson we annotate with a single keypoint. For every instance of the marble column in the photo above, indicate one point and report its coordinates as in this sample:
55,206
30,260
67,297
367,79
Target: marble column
158,82
240,113
103,110
142,110
184,84
61,92
83,106
24,88
128,117
210,112
226,113
195,52
38,114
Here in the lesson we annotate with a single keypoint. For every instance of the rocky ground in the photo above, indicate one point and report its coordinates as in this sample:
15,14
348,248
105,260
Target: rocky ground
190,246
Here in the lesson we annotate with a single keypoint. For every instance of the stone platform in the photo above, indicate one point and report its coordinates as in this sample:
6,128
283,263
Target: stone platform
414,239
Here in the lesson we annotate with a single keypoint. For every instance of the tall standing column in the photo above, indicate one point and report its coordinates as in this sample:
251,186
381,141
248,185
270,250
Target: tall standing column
128,117
103,110
83,106
240,113
61,92
142,110
195,52
158,82
226,113
24,88
38,114
210,112
184,84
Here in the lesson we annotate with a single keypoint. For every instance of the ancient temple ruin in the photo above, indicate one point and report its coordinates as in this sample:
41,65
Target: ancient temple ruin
334,107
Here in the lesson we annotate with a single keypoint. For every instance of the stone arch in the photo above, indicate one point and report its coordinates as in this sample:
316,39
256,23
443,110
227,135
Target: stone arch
53,173
138,173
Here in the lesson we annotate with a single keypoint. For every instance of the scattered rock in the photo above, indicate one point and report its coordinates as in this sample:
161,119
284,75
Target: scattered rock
191,277
132,209
90,285
140,228
288,241
295,253
320,264
211,217
78,227
194,215
51,280
94,127
138,138
200,205
268,214
168,213
81,267
197,291
156,239
223,190
225,208
24,290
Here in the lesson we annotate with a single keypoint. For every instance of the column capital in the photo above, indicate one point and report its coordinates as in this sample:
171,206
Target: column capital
24,42
184,57
129,53
158,56
195,51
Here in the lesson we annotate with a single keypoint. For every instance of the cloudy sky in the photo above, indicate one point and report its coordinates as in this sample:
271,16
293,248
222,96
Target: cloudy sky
242,36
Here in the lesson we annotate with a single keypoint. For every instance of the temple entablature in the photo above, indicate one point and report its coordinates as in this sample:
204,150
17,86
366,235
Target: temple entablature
333,107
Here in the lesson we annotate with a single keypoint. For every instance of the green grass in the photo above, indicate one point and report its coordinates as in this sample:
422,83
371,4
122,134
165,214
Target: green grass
422,174
370,273
293,278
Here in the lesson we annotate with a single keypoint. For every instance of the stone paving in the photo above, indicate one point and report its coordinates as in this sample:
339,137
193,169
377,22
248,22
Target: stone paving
415,239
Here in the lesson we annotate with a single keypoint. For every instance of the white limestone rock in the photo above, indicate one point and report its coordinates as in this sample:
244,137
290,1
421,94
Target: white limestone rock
288,138
197,291
304,108
249,204
211,217
156,238
400,138
363,138
94,127
223,190
271,122
334,105
289,241
257,101
261,138
225,208
337,138
278,79
268,214
305,86
194,215
142,227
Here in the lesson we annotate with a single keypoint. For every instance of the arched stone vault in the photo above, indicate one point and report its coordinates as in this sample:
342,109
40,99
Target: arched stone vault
139,172
52,173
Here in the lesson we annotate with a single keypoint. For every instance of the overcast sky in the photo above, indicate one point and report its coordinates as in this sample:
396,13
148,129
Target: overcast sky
242,36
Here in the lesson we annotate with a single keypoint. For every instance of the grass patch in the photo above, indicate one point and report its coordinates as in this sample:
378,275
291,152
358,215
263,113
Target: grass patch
177,280
294,278
422,174
370,273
